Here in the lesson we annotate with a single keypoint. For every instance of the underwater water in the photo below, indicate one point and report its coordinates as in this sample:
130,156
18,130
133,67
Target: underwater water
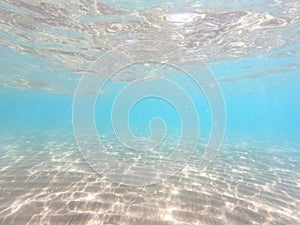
149,112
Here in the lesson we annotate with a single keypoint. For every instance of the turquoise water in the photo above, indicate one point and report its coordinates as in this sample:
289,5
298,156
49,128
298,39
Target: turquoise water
75,152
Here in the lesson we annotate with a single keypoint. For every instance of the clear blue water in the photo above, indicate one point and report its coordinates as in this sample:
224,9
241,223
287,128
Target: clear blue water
52,170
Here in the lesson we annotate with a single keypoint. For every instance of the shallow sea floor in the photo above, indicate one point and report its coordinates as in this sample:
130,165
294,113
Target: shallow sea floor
44,180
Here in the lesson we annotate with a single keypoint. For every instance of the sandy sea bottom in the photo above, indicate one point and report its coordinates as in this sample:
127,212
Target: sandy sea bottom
44,180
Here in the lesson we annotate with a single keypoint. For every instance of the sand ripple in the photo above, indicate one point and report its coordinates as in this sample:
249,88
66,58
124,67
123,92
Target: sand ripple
43,180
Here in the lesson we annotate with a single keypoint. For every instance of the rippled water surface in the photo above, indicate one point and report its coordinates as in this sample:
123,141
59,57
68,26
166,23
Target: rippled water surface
250,48
72,34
